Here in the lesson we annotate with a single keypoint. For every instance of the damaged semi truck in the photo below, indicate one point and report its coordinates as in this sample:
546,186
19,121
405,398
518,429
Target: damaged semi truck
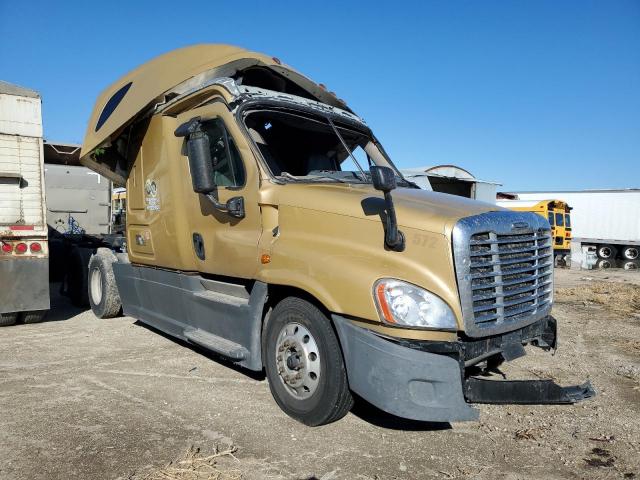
266,223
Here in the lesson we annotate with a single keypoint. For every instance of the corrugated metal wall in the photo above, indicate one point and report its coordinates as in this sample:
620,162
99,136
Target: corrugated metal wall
21,169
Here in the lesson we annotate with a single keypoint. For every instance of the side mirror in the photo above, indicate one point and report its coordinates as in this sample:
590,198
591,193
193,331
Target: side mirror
383,178
199,155
201,166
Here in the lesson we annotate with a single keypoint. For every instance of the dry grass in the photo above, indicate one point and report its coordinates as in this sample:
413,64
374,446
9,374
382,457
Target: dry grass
621,298
194,465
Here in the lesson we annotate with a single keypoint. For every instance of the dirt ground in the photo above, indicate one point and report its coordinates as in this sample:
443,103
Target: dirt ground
111,399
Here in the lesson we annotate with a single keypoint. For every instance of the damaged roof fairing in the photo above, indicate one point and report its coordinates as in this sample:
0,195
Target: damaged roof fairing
185,67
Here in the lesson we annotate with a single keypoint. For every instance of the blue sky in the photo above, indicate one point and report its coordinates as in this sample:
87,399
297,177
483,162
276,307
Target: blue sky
536,95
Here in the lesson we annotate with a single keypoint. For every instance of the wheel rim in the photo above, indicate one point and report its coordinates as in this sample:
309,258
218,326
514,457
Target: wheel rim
605,264
605,252
631,253
96,286
298,360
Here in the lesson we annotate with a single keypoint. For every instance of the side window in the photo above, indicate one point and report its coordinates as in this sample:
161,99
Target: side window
551,218
227,172
559,219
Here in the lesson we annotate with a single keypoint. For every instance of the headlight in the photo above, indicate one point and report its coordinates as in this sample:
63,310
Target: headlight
403,304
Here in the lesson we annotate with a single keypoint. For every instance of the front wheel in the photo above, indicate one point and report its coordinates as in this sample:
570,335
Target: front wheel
304,364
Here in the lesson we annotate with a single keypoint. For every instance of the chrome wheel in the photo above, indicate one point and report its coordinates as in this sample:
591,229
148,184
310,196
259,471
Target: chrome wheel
630,253
298,360
605,252
96,286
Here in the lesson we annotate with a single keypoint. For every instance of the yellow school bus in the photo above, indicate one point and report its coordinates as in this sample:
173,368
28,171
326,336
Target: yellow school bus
558,214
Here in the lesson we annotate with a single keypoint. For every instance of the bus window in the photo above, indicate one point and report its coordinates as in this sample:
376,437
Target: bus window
559,219
567,220
551,218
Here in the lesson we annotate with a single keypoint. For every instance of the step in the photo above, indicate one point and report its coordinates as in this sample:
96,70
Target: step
224,298
220,345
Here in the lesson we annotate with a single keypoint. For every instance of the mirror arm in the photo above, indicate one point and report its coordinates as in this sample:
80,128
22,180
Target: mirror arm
234,206
393,237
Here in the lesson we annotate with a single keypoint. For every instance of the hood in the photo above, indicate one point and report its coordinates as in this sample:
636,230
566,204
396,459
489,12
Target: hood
420,209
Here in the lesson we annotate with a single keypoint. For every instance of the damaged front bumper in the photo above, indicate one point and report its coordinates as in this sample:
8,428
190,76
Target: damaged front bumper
436,381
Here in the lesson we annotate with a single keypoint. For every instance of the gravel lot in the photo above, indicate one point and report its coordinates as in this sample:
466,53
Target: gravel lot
87,398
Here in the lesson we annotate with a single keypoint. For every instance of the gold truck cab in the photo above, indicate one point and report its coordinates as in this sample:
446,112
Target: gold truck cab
265,222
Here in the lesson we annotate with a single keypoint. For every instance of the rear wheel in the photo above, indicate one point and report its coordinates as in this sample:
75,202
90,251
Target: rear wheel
77,276
7,319
35,316
607,251
103,291
304,364
630,253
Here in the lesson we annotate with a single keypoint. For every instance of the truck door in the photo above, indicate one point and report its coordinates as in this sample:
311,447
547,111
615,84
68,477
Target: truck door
222,244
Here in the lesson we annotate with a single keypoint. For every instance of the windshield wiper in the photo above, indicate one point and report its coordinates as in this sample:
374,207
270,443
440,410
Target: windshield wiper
311,178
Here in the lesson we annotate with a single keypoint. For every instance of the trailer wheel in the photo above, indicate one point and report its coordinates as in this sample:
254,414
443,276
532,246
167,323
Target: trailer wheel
304,364
630,253
103,291
35,316
7,319
607,251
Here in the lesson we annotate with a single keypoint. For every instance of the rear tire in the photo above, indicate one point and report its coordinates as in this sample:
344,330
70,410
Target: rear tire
607,251
77,276
304,364
7,319
630,253
102,289
35,316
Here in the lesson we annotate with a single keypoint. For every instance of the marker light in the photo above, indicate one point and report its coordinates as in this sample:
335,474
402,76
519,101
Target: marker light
35,247
21,247
7,248
403,304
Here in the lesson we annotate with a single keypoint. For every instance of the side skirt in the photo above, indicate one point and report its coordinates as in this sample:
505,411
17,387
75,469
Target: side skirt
225,318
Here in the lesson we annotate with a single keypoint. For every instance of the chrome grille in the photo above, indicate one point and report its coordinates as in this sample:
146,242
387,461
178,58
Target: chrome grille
504,267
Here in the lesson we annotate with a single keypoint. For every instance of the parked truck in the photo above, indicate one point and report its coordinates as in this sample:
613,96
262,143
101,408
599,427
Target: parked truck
557,212
24,253
606,222
265,222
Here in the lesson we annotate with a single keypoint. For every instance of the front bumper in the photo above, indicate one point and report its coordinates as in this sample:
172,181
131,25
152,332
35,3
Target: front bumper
430,381
25,284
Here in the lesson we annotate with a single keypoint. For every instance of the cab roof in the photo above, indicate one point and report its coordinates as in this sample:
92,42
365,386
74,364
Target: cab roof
155,82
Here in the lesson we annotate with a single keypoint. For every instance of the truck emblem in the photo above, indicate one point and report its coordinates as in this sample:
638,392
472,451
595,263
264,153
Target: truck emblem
519,225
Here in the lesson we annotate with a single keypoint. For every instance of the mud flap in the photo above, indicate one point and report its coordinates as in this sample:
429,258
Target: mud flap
524,392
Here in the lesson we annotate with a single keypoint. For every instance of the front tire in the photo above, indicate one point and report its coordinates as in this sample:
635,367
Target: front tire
102,289
304,363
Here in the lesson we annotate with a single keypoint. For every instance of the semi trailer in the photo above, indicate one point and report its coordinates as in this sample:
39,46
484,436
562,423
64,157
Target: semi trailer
24,253
606,222
266,223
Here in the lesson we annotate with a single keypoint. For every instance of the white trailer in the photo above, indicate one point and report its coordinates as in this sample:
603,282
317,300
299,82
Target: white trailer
607,221
24,262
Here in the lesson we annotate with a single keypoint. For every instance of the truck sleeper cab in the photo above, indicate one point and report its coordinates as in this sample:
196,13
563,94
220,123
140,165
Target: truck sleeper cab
265,222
